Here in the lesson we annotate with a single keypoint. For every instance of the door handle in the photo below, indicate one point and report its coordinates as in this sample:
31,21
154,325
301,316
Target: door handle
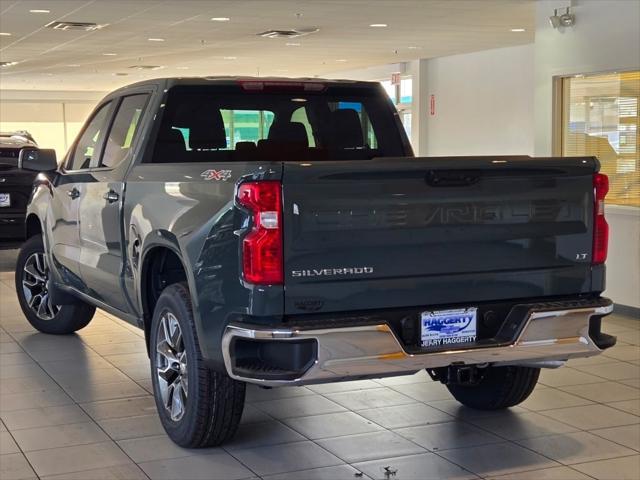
73,193
111,196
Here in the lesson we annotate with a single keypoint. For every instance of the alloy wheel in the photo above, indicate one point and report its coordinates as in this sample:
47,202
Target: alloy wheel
171,366
34,287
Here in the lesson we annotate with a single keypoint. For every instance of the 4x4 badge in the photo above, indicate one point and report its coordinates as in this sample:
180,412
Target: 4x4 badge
217,175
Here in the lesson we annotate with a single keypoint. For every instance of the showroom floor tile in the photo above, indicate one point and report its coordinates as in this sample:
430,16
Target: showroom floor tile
78,407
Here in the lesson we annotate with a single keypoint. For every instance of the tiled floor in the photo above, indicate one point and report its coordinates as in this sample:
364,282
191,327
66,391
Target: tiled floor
78,407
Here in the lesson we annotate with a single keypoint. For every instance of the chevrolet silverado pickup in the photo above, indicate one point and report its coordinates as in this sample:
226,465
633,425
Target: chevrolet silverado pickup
280,232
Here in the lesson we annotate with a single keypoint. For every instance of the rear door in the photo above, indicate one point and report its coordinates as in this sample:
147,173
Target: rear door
398,232
101,233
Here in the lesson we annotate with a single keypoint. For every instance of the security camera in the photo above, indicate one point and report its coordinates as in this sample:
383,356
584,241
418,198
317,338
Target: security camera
554,19
567,19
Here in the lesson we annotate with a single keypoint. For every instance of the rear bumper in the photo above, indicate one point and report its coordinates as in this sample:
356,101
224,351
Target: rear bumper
548,332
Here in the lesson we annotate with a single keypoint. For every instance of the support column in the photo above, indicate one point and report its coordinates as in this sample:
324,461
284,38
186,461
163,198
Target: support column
419,106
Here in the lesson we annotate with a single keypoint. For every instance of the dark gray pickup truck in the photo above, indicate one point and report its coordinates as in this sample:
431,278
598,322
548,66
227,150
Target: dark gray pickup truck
280,232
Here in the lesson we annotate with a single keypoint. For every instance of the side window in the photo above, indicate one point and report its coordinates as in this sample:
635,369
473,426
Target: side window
89,142
125,125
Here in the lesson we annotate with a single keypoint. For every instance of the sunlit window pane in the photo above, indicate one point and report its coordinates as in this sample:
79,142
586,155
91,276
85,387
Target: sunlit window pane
390,89
406,85
600,118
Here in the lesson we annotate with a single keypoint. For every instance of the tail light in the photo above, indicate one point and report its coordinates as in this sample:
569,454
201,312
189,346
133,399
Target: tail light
262,247
600,225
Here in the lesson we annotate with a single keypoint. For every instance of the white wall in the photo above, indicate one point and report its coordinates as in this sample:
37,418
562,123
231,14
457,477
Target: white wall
606,37
53,118
483,103
623,261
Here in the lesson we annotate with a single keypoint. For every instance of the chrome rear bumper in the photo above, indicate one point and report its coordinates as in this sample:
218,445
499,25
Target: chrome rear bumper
374,350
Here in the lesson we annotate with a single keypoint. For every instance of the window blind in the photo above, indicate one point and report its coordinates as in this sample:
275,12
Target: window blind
600,117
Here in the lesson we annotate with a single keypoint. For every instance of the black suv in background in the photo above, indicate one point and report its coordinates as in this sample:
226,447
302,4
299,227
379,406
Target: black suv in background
15,185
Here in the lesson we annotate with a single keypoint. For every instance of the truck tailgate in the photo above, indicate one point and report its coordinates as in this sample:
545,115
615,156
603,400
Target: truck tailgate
399,232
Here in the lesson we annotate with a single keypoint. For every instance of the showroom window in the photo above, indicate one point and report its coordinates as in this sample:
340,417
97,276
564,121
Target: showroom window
123,130
300,116
246,125
600,118
88,143
401,95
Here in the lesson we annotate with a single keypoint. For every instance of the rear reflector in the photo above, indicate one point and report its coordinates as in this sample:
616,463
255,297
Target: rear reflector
262,261
600,225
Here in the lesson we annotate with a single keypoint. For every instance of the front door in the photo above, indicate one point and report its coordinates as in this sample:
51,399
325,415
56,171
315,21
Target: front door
68,189
102,259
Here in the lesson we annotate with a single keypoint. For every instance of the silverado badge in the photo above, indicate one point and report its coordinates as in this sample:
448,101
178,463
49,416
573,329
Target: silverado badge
217,175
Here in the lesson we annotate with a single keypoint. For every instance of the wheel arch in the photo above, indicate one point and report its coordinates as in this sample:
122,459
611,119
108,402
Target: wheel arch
161,266
33,226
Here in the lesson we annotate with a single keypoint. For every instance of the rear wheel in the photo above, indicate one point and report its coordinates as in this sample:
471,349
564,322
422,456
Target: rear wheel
198,407
499,387
32,275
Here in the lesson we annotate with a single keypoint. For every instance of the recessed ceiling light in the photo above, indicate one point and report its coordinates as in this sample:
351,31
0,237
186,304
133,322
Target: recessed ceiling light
220,19
290,44
413,47
155,39
518,30
5,34
378,25
341,60
39,11
109,54
7,64
230,58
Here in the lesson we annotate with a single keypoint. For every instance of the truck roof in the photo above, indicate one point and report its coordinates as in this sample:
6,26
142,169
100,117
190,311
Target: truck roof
232,80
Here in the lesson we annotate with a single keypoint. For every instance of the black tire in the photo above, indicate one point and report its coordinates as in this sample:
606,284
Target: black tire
64,319
214,401
501,387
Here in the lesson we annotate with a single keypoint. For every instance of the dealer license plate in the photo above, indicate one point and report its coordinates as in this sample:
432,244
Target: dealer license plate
5,200
446,327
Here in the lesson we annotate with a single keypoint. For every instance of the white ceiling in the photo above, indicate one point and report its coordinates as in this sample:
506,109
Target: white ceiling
194,45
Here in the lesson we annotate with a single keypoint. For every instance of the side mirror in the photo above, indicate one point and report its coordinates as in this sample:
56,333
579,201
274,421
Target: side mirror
38,160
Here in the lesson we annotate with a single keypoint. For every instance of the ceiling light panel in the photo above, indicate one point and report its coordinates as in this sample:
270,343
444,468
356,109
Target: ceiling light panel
82,26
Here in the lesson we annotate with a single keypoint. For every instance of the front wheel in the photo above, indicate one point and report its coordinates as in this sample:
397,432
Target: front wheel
32,276
198,407
500,387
